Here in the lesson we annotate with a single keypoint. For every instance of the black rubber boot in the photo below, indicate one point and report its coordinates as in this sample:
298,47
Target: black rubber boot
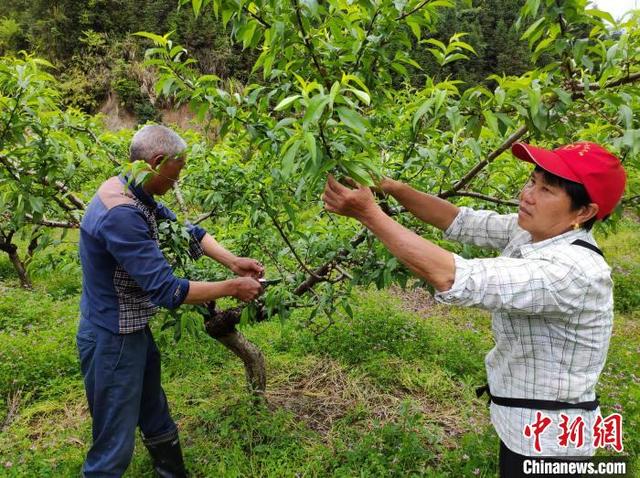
166,455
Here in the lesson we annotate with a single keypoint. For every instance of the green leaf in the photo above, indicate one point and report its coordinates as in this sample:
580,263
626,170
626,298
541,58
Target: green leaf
248,33
491,119
534,100
532,28
437,43
358,173
399,67
333,94
530,8
414,24
310,141
314,110
288,162
363,96
543,45
563,96
626,116
424,107
227,13
157,39
37,204
454,57
286,102
594,12
196,5
460,44
283,123
348,78
352,119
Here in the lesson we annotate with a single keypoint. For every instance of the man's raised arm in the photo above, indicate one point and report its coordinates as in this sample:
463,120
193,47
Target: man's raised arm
242,266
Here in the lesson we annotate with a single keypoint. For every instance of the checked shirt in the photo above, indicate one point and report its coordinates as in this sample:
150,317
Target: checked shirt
552,315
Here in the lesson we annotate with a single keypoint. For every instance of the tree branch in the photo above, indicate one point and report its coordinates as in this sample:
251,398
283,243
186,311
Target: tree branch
309,45
179,198
405,15
5,162
53,223
76,201
59,185
365,41
95,138
519,133
320,274
257,17
202,217
632,78
285,238
484,197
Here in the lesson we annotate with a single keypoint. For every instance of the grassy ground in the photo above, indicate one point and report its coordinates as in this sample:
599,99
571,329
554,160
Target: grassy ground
389,393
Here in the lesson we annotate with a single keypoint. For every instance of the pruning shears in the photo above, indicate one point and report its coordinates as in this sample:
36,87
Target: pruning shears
267,282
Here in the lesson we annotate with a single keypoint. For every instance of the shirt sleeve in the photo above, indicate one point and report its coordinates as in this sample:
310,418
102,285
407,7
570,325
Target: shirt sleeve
526,286
482,228
128,239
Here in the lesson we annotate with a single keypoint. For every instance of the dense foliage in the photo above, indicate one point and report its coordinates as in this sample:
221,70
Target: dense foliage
335,91
47,154
330,102
95,56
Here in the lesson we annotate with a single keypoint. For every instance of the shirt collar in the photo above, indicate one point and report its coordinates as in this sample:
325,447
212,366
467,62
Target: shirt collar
566,238
137,190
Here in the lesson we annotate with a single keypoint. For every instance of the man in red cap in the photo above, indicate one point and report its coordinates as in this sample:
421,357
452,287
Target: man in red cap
550,290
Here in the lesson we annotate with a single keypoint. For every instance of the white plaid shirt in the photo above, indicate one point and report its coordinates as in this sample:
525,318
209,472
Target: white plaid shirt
552,314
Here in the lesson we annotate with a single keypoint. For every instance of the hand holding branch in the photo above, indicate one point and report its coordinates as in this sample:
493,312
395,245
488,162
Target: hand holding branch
247,267
357,203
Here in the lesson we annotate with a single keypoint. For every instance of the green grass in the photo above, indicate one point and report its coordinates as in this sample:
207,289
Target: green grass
387,393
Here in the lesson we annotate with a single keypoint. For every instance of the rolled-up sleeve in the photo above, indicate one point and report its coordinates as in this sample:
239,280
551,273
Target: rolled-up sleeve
195,248
527,286
128,239
482,228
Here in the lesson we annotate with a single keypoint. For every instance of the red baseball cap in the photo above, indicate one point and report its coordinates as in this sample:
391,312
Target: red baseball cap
589,164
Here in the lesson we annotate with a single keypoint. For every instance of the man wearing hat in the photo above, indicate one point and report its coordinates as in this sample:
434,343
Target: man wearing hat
550,290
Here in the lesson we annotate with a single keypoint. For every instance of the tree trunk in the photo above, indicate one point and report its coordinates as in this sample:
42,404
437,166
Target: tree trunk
252,358
12,250
221,325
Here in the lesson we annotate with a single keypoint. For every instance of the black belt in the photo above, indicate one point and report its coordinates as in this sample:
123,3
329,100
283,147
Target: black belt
535,404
